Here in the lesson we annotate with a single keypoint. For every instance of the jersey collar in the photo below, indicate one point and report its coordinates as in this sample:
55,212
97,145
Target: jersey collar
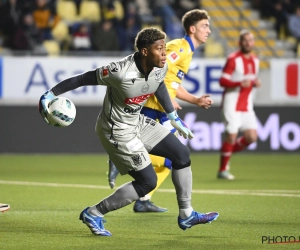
138,63
189,40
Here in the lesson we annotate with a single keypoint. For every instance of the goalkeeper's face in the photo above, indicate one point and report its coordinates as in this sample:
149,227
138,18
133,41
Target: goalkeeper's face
156,54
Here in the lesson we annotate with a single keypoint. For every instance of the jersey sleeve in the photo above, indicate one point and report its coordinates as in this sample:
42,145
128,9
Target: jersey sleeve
225,80
110,74
173,55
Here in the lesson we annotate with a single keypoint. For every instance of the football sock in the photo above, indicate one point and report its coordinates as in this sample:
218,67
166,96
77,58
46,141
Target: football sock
146,197
240,144
94,211
226,152
182,180
185,213
122,197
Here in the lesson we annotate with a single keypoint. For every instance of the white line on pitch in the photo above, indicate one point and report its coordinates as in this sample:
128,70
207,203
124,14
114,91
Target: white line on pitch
282,193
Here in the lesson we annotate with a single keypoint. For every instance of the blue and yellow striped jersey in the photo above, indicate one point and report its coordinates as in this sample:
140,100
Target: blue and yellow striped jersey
179,56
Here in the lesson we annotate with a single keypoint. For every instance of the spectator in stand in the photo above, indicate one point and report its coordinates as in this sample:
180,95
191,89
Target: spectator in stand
81,38
45,17
182,6
9,20
294,24
280,15
104,36
27,36
109,12
132,24
170,22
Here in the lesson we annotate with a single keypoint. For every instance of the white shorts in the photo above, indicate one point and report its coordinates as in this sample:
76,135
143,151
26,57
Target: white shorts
239,121
128,150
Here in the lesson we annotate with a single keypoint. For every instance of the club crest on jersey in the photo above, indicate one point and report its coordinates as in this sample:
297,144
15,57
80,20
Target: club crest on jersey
145,88
180,74
137,160
173,57
157,75
104,73
137,99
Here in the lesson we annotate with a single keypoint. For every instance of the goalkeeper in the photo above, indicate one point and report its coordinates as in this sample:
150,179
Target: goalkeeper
128,136
179,55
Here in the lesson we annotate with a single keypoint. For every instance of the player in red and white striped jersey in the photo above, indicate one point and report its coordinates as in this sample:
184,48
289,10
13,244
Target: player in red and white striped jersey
239,77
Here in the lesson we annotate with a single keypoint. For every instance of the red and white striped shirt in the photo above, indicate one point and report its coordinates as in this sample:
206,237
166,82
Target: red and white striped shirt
238,68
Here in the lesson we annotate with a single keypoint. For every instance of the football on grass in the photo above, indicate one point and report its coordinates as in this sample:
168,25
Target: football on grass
62,112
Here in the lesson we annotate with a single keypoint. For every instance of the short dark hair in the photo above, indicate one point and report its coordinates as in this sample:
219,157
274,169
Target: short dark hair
148,36
192,17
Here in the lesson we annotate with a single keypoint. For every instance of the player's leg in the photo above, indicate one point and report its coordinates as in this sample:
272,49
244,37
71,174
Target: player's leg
249,136
226,152
130,157
144,182
144,204
248,127
112,174
170,147
232,123
4,207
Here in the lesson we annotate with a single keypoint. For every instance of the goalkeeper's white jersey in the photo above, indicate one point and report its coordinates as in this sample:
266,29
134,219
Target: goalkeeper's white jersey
127,91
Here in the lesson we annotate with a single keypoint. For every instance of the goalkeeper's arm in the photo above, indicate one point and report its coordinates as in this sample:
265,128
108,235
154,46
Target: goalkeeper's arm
164,99
74,82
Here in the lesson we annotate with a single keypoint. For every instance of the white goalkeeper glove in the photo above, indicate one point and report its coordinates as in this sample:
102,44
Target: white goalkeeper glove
177,123
43,104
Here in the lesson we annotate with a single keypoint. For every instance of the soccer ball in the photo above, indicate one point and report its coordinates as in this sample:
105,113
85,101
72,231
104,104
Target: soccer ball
62,112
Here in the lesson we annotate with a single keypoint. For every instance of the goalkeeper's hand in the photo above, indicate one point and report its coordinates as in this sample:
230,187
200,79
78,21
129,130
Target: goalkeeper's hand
177,123
43,104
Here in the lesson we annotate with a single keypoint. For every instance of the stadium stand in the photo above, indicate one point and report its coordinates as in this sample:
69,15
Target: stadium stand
268,20
90,11
67,10
230,16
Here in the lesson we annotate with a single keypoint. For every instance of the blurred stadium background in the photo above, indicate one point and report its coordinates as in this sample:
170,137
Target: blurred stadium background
42,42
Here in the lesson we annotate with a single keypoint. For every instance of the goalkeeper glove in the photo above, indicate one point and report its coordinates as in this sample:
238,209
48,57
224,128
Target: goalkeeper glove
43,104
177,123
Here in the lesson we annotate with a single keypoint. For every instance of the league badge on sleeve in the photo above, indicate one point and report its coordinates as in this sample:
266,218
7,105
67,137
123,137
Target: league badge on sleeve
104,73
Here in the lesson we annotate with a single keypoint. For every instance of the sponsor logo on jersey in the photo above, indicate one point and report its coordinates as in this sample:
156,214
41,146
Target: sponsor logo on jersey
114,67
173,57
133,80
145,88
137,99
150,121
104,73
180,74
132,111
132,74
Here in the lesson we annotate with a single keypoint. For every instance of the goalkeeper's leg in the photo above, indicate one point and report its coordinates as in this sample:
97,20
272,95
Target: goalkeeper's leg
162,168
173,149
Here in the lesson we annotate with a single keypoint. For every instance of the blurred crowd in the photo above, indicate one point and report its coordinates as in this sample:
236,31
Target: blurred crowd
27,24
285,13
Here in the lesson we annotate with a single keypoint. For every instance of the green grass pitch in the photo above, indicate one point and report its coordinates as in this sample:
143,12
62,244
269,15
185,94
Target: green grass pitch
47,192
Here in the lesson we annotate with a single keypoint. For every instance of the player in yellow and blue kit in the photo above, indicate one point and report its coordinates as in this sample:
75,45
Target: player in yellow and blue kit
179,56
